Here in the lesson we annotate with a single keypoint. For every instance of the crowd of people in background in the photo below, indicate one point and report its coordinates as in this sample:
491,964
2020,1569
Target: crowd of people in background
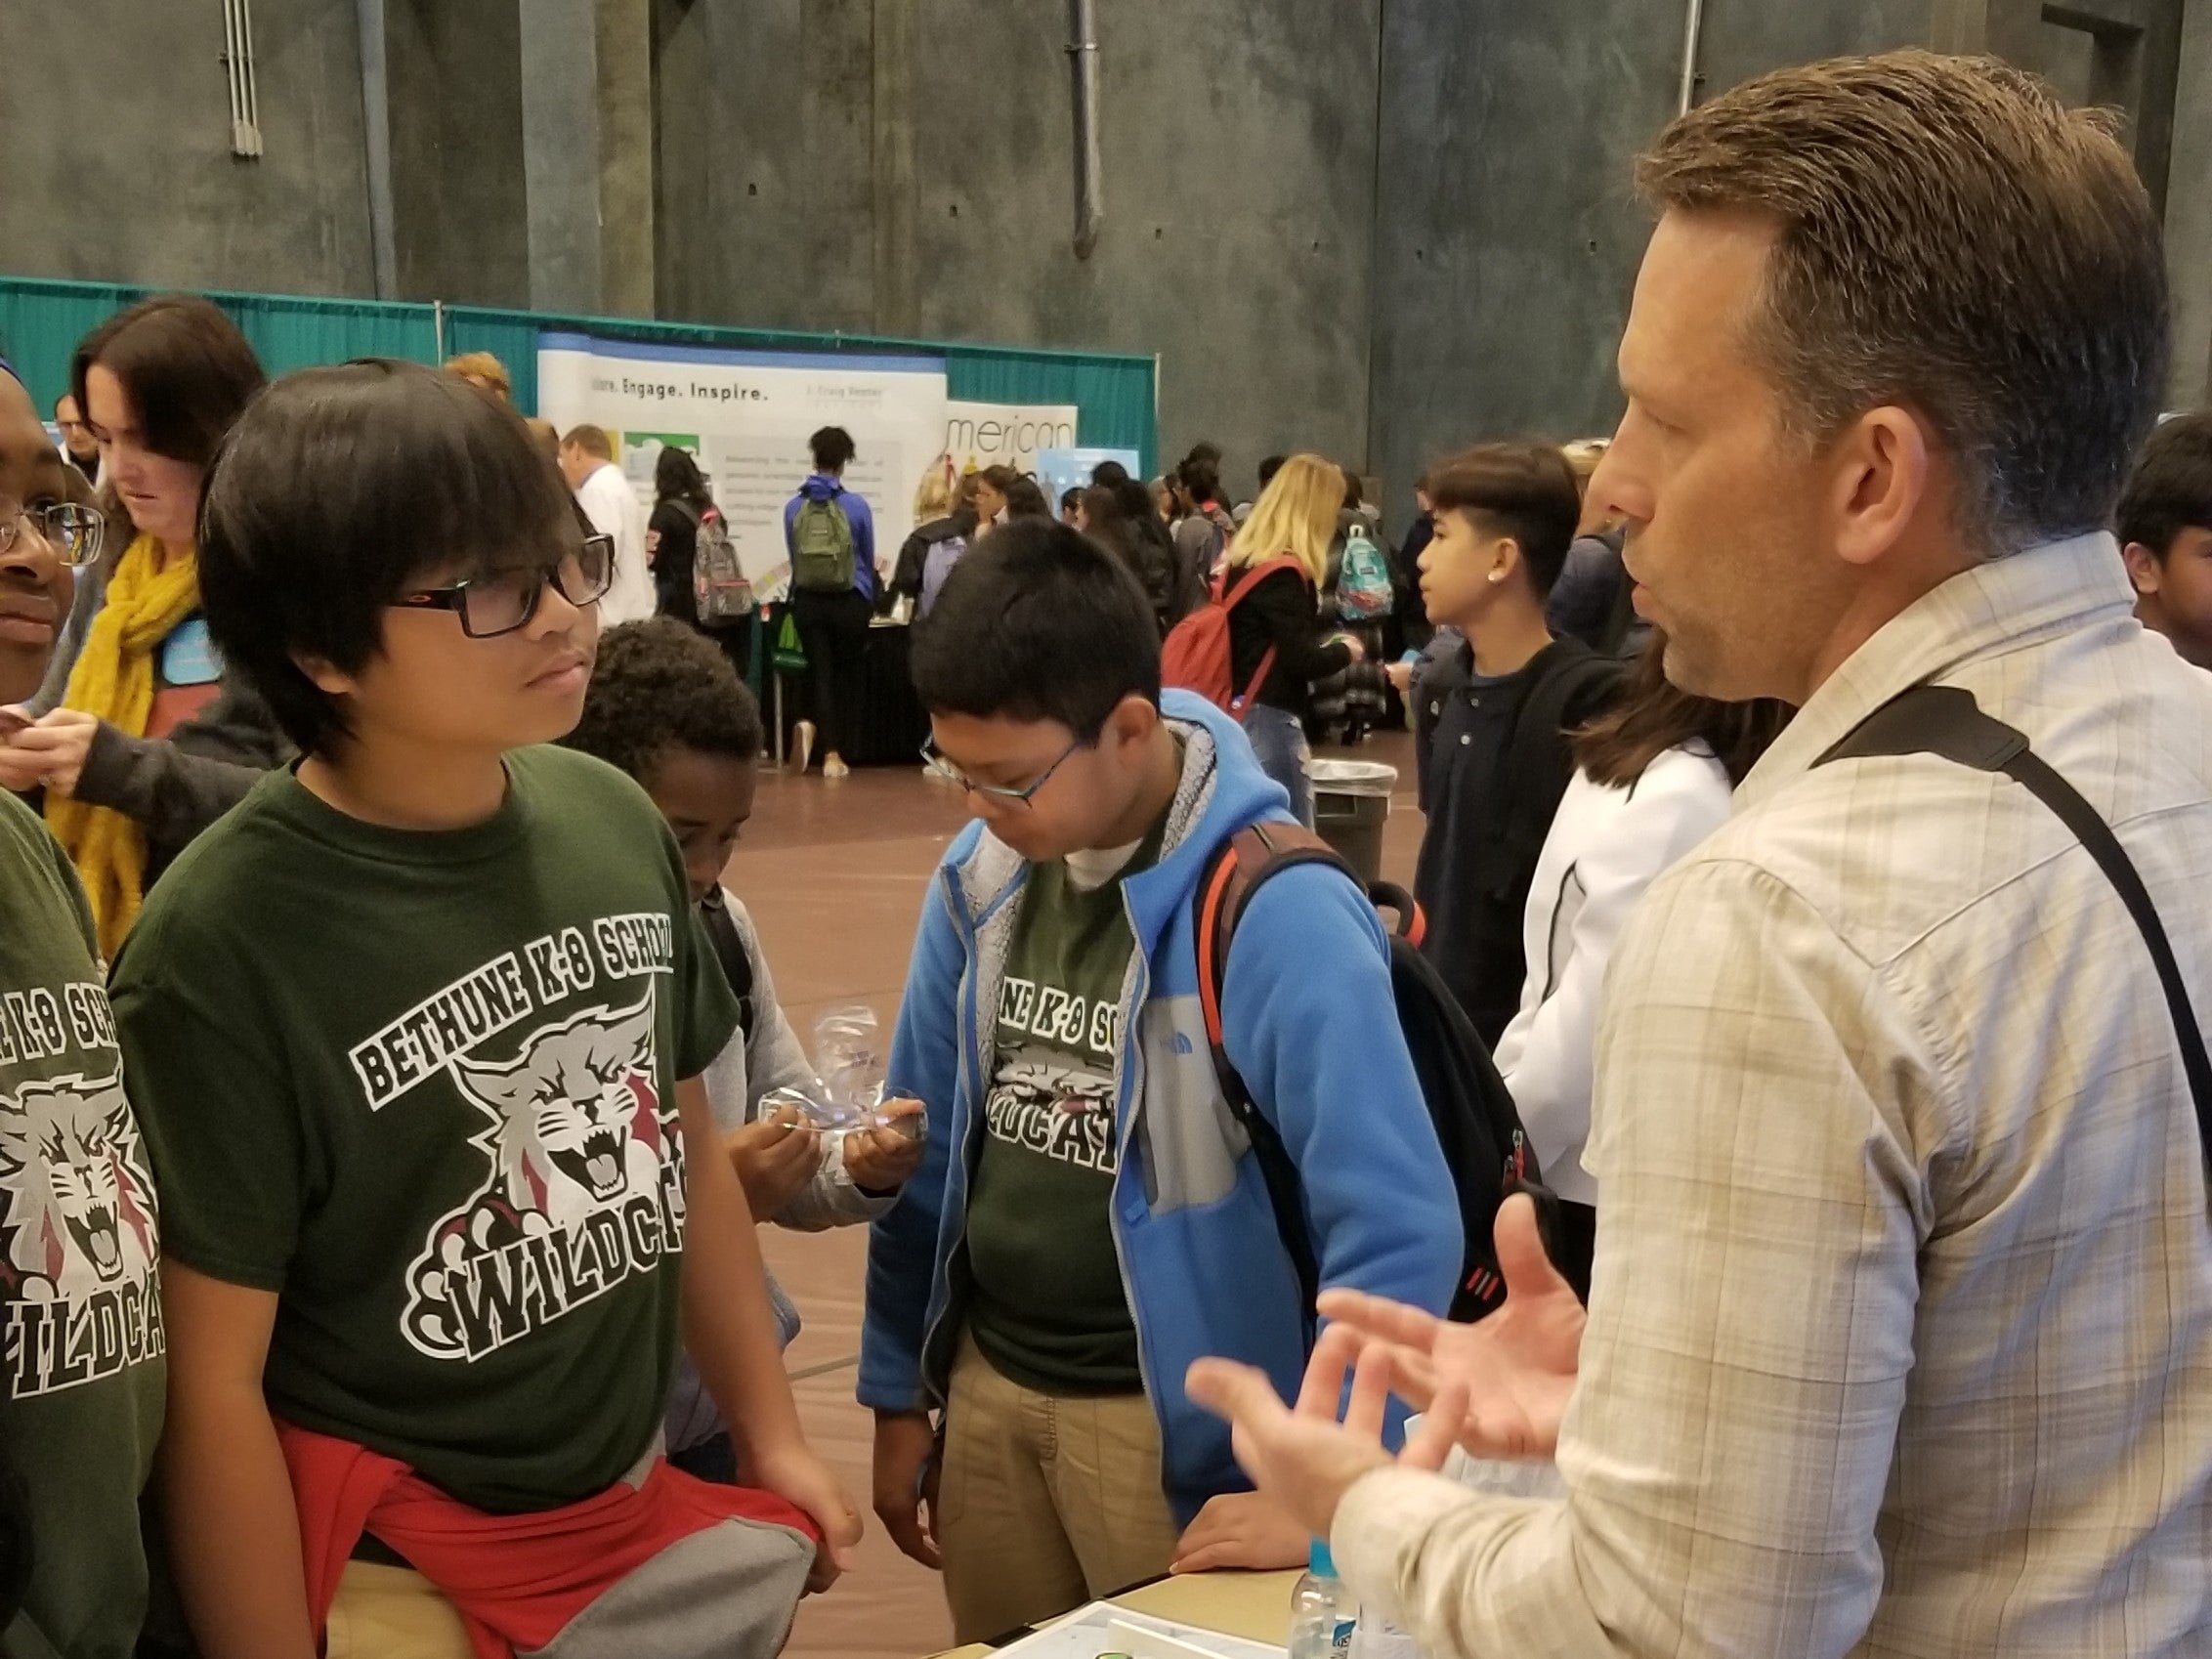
390,1072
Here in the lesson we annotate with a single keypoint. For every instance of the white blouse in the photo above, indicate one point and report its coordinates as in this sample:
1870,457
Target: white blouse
1606,845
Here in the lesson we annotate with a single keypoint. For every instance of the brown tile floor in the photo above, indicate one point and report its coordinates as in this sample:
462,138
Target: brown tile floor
835,875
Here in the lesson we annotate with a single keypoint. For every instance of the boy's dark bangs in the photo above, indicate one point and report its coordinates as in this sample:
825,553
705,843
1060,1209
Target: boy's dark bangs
470,492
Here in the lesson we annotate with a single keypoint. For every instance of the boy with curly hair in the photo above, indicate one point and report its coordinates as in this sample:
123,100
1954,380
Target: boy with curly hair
667,707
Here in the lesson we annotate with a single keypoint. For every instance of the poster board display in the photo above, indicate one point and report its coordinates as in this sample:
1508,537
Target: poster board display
746,417
1059,470
990,435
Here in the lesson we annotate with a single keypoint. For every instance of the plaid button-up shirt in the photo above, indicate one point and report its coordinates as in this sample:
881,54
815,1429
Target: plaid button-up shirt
1900,1336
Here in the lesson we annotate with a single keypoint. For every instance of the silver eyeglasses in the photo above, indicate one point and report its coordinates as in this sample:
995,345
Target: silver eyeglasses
74,533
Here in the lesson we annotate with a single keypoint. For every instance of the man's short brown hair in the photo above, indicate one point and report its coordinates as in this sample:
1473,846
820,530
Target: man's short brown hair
1956,241
591,440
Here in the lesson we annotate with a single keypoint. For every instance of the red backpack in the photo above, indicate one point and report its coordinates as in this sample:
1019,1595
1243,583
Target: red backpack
1196,655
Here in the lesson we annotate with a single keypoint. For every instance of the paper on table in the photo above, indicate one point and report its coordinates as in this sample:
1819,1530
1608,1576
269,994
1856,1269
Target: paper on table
1103,1627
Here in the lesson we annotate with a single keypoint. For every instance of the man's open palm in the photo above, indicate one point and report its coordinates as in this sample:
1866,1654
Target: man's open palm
1519,1365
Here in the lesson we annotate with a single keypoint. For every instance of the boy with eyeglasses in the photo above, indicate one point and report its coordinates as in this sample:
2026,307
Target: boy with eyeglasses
416,1034
1088,1217
81,1383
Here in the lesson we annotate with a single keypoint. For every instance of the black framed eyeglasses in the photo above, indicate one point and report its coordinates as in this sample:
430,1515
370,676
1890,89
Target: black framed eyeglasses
76,533
507,600
934,758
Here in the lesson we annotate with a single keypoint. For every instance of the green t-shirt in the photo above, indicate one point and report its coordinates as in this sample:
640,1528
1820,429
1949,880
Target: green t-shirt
422,1086
82,1407
1047,1307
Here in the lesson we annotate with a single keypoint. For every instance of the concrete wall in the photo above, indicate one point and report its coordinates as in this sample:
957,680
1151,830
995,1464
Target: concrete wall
765,211
115,141
458,199
1508,235
1376,228
1238,177
909,168
2189,214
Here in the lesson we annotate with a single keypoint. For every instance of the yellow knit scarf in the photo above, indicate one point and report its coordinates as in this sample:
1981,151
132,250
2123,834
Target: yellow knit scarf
113,679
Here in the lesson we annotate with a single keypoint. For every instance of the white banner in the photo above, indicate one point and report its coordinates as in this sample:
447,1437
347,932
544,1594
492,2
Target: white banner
746,417
987,435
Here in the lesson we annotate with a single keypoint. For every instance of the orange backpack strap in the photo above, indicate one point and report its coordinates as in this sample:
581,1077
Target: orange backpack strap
1237,867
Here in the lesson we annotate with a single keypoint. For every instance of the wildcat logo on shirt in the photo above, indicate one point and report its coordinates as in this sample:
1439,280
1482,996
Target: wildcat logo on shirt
585,1189
1056,1110
1042,1097
77,1216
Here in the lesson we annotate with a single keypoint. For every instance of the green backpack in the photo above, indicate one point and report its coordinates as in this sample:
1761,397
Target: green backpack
821,547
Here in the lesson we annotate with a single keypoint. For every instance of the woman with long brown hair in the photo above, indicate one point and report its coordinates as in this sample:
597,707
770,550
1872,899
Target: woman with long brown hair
141,743
1653,778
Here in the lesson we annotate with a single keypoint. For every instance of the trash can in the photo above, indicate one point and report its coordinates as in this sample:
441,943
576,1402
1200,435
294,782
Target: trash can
1352,802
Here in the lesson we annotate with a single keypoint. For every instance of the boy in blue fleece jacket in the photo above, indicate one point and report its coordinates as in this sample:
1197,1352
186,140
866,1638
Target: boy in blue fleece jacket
1088,1218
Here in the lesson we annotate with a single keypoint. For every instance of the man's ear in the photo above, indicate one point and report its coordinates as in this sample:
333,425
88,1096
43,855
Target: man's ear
2144,568
1881,478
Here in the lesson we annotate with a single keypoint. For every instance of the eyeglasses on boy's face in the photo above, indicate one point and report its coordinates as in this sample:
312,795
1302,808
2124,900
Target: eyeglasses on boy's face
935,759
73,531
507,600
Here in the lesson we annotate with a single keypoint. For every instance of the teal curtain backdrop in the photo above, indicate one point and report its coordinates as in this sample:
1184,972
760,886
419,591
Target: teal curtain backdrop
42,321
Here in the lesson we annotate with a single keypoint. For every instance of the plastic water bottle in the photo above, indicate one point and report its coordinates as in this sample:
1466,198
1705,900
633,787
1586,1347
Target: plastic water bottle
849,1058
1323,1613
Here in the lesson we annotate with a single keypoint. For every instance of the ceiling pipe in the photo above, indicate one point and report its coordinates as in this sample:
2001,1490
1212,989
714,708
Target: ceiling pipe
376,125
246,94
253,74
1694,33
1082,59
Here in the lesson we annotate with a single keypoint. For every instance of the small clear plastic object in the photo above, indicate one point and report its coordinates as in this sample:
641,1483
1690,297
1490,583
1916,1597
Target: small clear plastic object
848,1055
848,1092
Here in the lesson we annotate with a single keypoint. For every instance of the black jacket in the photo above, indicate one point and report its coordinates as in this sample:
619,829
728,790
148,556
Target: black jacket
176,787
1187,579
1590,601
1494,762
676,521
914,553
1282,612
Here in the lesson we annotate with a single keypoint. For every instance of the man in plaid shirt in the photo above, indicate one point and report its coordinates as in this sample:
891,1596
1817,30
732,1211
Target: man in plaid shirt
1899,1338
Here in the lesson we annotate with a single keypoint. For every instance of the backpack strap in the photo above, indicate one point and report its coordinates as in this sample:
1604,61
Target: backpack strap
1540,720
731,952
1946,722
1239,868
1229,598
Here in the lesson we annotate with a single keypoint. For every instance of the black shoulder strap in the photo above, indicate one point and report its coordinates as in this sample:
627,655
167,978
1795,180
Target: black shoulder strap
1946,722
1238,868
1542,718
730,951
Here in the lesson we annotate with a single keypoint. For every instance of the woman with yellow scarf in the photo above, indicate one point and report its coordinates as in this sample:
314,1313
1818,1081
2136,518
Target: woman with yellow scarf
161,384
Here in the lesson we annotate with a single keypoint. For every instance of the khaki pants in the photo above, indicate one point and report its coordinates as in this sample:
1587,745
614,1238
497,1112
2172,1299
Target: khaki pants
1044,1504
392,1613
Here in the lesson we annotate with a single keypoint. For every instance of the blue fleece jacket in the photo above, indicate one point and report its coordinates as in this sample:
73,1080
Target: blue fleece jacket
819,486
1309,1024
